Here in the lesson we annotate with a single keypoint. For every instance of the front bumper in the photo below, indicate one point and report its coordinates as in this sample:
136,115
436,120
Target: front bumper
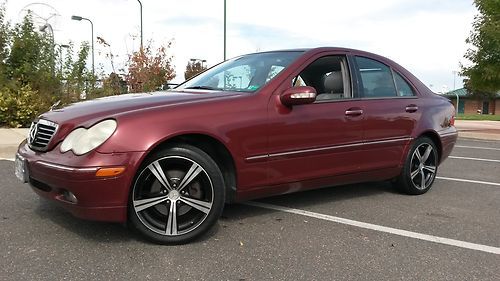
60,176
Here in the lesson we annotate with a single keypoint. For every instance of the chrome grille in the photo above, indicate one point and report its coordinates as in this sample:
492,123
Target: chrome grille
40,134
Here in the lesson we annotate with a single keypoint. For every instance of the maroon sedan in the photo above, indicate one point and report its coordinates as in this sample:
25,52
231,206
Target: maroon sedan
257,125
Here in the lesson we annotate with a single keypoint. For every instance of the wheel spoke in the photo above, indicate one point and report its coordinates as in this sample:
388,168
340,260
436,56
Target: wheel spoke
430,168
426,154
189,176
419,157
156,169
143,204
172,220
414,173
422,183
197,204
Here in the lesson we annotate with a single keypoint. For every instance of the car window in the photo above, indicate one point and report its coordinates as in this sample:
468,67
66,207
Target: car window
376,78
275,69
329,75
247,73
236,78
404,89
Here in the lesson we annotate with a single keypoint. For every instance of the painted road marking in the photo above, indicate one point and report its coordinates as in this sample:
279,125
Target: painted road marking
477,140
471,181
396,231
475,159
477,147
7,159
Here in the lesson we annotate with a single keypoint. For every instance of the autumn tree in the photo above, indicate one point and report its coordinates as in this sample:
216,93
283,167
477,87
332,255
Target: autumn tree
149,69
483,75
193,68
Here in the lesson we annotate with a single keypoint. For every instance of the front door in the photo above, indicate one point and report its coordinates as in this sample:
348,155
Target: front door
320,139
486,107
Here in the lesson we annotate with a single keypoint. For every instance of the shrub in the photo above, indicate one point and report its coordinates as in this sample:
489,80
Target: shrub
18,107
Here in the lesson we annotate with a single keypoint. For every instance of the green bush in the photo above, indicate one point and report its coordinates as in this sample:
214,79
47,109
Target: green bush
19,107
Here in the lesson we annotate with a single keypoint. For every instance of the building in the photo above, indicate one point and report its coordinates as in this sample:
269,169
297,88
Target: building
467,104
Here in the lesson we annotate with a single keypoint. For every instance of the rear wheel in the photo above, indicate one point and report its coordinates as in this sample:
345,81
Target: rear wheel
420,167
177,195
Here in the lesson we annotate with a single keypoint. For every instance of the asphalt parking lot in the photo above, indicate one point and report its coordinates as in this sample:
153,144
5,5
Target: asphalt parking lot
357,232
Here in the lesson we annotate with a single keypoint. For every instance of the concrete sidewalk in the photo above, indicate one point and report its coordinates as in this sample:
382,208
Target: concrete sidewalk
484,130
10,140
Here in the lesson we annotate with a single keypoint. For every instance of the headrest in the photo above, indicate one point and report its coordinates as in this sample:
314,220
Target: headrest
333,83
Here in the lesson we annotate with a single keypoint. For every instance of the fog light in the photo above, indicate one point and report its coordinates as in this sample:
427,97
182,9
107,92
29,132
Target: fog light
69,196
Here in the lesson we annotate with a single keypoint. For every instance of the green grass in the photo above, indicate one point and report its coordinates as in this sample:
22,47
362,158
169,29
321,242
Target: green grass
478,117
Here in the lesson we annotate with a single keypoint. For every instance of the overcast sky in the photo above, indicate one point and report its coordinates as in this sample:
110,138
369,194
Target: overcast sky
425,36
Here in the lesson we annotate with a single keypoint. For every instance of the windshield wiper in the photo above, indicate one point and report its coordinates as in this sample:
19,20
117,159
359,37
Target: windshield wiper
202,88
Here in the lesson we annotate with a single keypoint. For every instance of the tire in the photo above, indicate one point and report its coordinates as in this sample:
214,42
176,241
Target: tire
420,167
177,196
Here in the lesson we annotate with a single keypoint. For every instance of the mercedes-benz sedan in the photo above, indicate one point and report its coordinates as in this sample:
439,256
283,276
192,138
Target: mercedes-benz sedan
254,126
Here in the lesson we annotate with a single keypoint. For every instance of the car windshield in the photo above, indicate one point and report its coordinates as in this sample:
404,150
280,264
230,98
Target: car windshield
247,73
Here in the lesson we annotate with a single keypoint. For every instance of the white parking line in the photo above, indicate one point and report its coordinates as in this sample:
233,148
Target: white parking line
400,232
477,147
475,159
7,159
477,140
471,181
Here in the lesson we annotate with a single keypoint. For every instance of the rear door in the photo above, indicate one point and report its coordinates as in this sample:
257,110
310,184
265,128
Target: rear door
391,111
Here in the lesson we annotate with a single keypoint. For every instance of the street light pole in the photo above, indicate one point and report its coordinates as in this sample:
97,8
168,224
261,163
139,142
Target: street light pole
140,6
78,18
224,29
198,60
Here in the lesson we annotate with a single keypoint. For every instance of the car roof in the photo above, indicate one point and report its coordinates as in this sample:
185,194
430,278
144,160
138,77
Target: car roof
317,49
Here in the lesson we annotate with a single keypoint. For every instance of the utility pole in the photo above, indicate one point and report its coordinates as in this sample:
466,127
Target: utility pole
224,29
140,6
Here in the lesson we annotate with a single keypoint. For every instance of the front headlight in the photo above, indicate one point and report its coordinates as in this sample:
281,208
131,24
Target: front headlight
83,140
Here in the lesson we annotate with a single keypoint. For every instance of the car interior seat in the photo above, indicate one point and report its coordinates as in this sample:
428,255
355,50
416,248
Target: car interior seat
333,87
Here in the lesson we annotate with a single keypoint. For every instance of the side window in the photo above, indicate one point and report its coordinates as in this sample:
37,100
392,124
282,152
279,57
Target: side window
404,89
376,78
329,76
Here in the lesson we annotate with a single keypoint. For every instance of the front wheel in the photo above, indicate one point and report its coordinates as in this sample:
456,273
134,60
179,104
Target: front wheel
420,167
177,196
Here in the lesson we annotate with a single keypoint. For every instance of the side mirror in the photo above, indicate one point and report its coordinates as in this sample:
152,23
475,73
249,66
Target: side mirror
298,95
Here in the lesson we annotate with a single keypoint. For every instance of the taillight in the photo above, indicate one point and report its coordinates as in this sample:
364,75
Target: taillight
452,120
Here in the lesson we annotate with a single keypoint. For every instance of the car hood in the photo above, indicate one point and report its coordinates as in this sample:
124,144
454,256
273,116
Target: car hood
81,112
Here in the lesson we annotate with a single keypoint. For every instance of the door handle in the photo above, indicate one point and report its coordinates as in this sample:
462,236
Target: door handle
353,112
411,108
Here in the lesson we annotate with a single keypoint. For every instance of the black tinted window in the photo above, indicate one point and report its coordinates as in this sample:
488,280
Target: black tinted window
376,78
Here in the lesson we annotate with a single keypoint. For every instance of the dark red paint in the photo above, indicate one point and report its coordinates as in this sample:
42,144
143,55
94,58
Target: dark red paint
275,148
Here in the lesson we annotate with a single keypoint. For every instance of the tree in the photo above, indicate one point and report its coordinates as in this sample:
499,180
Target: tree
193,68
483,75
31,58
149,71
79,80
